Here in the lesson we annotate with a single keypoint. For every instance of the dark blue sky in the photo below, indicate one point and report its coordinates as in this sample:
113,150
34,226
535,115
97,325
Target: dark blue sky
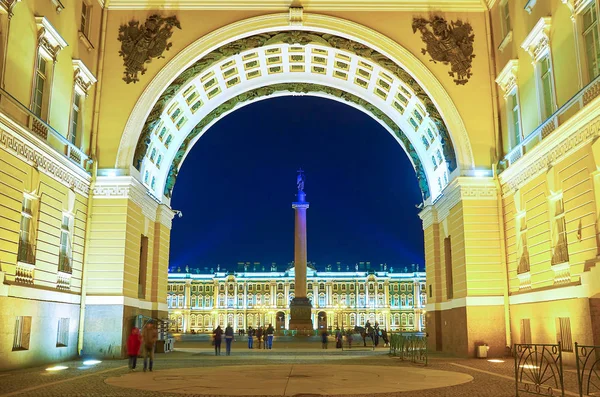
236,187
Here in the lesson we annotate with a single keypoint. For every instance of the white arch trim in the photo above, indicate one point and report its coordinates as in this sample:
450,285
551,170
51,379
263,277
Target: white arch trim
314,22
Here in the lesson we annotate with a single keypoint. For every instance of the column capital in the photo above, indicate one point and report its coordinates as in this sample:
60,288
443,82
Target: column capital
297,205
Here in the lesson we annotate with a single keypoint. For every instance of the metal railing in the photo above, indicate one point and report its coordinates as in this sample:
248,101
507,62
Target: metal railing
409,347
587,359
538,369
559,117
20,114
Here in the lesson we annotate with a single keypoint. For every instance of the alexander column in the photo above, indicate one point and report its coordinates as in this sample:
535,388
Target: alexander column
300,307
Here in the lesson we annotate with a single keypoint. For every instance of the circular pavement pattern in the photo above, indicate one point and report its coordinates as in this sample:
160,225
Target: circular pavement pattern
290,380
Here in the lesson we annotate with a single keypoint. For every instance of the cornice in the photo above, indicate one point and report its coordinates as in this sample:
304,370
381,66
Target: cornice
84,79
165,215
537,41
460,189
581,129
50,41
311,6
507,79
30,149
126,187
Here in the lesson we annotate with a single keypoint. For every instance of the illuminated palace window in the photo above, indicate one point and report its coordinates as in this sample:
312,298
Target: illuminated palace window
590,39
26,250
547,87
40,91
66,236
505,17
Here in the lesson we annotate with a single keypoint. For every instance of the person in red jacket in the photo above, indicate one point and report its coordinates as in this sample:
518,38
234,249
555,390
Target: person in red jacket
133,347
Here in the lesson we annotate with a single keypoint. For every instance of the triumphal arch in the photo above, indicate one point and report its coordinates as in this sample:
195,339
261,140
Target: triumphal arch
494,102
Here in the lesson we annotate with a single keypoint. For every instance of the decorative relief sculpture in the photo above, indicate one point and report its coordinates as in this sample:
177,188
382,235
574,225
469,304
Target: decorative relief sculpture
139,44
448,43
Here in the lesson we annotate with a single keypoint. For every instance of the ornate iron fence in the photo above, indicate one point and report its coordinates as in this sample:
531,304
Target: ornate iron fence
409,347
587,359
539,369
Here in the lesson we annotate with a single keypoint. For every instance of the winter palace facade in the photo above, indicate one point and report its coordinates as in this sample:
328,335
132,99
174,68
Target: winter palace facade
199,302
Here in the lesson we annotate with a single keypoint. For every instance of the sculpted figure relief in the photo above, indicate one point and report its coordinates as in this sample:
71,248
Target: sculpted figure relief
448,43
139,44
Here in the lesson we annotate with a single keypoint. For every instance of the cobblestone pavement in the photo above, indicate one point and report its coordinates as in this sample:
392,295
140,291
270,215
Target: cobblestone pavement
489,378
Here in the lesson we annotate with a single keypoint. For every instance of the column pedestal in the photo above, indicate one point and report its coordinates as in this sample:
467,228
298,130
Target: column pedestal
300,314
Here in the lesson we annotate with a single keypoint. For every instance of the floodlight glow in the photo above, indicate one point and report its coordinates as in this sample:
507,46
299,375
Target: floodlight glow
495,360
56,368
529,366
91,362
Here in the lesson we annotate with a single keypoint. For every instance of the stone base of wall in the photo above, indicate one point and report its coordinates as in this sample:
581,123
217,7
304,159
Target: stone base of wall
459,330
107,328
43,348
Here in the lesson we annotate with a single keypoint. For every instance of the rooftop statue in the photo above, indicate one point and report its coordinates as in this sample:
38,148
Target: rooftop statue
300,180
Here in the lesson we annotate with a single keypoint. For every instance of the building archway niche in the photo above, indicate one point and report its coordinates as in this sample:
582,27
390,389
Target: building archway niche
267,56
264,57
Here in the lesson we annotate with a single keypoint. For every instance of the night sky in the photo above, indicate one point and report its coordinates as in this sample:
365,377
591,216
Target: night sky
237,184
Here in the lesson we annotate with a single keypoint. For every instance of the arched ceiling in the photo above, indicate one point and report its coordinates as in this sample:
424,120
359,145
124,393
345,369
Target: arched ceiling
300,62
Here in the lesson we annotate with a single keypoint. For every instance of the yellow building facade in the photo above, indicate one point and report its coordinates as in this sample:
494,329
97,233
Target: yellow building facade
94,127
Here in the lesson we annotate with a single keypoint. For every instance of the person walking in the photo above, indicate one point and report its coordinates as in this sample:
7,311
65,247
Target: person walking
259,335
228,339
217,340
270,333
149,338
338,338
134,342
349,338
324,339
250,338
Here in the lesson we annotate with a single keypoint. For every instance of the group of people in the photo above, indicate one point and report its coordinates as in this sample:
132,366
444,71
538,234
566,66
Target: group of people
260,333
145,339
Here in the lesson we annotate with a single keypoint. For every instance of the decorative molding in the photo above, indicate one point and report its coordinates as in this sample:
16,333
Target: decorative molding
49,41
579,130
576,6
507,79
313,5
84,79
165,215
450,197
537,42
58,5
428,216
126,187
529,5
6,7
296,16
30,149
507,40
86,42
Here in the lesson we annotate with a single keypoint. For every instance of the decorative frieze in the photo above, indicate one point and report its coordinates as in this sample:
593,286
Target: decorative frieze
83,78
47,161
537,42
126,187
50,41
